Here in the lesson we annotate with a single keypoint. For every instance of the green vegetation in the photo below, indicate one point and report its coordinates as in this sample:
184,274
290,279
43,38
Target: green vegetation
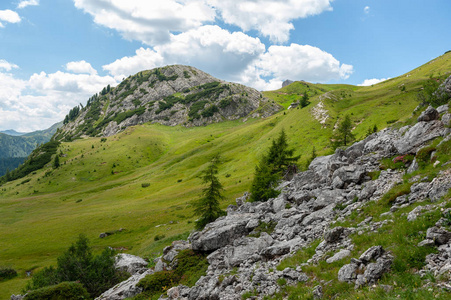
263,227
7,273
96,273
190,267
37,160
62,291
344,134
270,169
207,207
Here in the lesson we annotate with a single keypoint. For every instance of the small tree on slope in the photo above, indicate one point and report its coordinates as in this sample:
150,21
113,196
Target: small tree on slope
207,207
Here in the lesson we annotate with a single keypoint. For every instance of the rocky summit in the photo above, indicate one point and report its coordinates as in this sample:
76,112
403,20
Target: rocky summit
172,95
317,209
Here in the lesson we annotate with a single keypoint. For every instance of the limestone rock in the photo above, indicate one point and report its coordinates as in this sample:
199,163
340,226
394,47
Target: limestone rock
125,289
430,114
130,263
438,235
338,256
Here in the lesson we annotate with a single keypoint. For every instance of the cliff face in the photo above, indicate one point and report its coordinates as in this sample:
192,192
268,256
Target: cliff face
260,248
173,95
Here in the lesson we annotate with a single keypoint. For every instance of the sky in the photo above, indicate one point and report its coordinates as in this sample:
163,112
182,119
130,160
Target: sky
55,54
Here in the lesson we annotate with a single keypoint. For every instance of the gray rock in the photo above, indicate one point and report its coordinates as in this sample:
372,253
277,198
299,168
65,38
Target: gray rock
333,235
430,114
221,232
349,174
426,243
443,108
338,256
17,297
348,273
374,271
371,254
446,120
130,263
319,215
279,249
416,212
413,166
438,235
294,275
444,90
317,292
418,135
125,289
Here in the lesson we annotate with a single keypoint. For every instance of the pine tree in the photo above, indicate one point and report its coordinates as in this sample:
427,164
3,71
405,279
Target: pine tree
56,162
207,206
270,169
304,100
344,133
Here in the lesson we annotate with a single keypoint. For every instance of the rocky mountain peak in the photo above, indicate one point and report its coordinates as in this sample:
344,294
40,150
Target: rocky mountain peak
172,95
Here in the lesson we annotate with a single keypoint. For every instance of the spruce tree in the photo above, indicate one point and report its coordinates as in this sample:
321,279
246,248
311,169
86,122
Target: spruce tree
56,162
271,168
344,133
207,206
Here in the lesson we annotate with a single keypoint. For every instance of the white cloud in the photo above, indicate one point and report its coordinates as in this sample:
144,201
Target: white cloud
271,18
366,10
9,16
368,82
44,99
80,67
7,66
25,3
301,62
153,21
209,48
149,21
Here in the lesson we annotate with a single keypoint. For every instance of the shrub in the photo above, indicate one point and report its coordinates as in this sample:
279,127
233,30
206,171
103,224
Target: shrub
158,282
62,291
144,185
7,273
96,273
264,227
424,154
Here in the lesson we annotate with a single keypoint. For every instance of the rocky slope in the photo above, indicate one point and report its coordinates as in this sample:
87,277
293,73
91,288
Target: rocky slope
173,95
245,260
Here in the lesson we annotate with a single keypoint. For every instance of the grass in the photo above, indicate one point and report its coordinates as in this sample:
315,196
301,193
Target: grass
42,216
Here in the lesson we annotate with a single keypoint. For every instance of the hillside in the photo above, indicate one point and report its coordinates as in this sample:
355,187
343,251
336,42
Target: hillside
144,178
15,148
173,95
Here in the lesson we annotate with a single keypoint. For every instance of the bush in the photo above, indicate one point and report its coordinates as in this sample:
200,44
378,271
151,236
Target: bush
144,185
424,154
7,273
96,273
190,267
62,291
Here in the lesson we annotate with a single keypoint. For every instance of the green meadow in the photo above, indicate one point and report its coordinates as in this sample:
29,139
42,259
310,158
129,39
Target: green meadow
144,179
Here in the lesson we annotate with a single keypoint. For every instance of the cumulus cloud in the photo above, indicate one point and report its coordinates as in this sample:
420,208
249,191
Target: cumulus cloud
80,67
271,18
149,21
368,82
7,66
209,48
366,10
25,3
302,62
44,99
9,16
153,21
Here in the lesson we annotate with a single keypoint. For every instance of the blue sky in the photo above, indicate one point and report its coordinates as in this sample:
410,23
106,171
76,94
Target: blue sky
56,54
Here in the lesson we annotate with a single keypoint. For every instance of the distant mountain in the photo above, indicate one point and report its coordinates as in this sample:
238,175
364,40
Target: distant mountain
12,132
173,95
14,149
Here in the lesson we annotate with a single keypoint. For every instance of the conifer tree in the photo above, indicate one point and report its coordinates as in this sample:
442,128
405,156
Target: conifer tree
207,206
344,133
270,169
56,162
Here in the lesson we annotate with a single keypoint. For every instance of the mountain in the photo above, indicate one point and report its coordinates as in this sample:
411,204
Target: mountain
145,178
173,95
14,149
12,132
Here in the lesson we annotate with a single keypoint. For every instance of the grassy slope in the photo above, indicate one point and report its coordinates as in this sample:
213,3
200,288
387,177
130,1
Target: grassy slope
40,218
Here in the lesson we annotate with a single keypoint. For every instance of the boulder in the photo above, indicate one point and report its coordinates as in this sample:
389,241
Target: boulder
374,271
443,108
130,263
348,273
430,114
125,289
221,232
371,254
333,235
438,235
280,249
444,90
446,120
338,256
418,135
